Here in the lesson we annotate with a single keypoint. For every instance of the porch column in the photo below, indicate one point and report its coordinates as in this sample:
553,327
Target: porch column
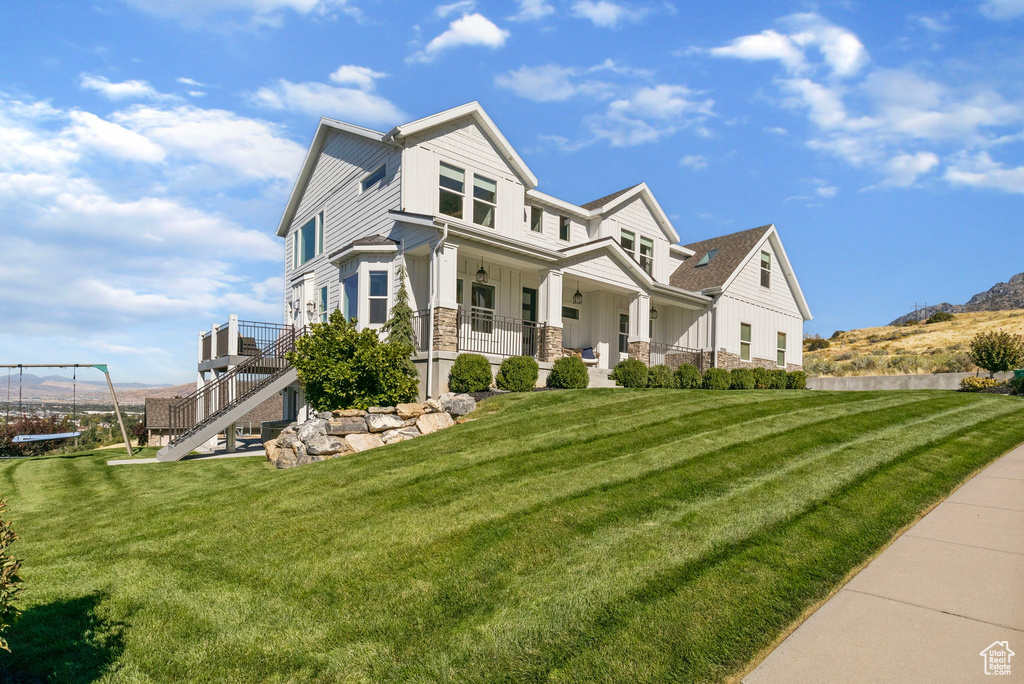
549,297
446,310
232,334
640,328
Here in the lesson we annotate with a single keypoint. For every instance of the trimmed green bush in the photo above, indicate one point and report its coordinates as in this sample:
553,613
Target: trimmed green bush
687,376
660,376
630,373
940,317
716,379
517,374
469,373
761,378
569,372
741,379
796,380
777,379
973,384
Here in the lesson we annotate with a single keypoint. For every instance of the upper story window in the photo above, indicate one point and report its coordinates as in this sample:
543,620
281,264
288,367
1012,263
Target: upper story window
628,241
378,297
452,190
308,240
706,259
647,255
536,219
374,178
564,226
485,201
766,269
321,303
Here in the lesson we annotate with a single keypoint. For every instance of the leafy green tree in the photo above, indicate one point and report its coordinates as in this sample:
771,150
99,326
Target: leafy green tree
997,351
9,579
340,367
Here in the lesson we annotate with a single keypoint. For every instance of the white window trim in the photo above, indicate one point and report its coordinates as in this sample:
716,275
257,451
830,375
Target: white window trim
540,230
493,205
322,297
571,308
474,309
561,218
783,349
620,334
750,344
386,270
318,239
378,183
762,270
631,252
640,254
441,188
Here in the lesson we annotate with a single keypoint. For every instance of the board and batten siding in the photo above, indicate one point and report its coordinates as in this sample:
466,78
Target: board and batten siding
600,267
769,310
334,187
636,217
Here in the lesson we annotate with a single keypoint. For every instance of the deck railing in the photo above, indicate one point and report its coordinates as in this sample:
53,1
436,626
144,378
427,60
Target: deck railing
487,333
249,338
421,329
673,356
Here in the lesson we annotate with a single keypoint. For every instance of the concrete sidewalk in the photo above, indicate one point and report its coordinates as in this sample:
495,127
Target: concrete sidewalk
925,609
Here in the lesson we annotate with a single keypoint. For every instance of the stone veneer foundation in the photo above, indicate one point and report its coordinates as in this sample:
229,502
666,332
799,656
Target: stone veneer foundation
550,344
446,329
640,351
729,361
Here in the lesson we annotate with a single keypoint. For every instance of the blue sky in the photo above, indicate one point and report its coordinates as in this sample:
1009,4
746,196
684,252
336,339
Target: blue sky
147,147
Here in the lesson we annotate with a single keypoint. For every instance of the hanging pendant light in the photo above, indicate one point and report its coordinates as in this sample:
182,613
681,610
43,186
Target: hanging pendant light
654,313
481,275
577,297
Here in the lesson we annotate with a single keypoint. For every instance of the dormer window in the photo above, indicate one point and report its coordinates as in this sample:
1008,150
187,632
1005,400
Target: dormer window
766,269
647,255
628,241
485,201
706,259
452,190
374,178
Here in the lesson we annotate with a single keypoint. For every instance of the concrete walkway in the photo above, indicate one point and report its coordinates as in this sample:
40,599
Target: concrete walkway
930,603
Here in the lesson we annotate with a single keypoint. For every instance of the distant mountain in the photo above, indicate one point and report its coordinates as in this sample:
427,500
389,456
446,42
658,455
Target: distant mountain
59,388
1001,297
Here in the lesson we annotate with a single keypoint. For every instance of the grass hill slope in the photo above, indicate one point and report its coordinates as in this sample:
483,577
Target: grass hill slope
907,349
587,536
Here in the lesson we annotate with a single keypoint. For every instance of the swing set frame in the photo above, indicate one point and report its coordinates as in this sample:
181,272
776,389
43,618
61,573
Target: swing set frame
98,366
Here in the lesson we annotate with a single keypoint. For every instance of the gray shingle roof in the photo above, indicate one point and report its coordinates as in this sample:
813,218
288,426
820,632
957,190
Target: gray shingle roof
601,201
731,248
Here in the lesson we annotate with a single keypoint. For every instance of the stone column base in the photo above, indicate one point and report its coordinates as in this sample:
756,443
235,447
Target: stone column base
550,347
446,329
641,351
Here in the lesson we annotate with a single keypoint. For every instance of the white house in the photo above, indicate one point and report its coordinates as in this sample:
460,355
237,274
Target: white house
498,267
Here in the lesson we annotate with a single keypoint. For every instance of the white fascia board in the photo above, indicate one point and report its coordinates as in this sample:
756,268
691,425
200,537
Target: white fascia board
474,110
357,250
561,205
413,219
499,241
652,203
787,271
679,249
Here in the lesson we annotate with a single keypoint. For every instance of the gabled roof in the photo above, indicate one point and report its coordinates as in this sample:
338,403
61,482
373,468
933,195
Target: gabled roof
601,201
731,253
474,110
608,203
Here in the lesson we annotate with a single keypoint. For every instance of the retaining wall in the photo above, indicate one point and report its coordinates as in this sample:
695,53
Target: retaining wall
942,381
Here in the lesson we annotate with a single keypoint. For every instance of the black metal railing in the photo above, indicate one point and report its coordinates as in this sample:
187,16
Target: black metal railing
421,329
202,406
487,333
673,356
252,337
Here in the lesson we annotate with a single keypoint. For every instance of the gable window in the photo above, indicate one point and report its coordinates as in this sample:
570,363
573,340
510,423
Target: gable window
452,183
350,297
571,313
766,269
374,178
308,240
623,333
647,255
745,336
321,303
378,297
482,319
485,200
563,228
780,356
706,259
628,241
536,219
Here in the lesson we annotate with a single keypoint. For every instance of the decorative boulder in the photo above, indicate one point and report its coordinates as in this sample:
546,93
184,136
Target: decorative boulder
379,422
400,435
283,458
432,406
364,441
311,428
348,413
381,409
407,411
323,445
325,415
457,404
432,422
346,426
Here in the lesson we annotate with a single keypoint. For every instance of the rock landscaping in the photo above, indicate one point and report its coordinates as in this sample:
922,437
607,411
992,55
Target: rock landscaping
345,431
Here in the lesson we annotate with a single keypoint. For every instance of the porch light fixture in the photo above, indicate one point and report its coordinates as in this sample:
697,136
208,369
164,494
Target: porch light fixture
577,297
481,274
654,313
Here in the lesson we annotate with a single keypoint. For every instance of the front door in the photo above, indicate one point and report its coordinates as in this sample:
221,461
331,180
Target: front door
529,321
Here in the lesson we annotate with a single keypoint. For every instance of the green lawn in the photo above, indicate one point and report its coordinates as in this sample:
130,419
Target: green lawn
595,536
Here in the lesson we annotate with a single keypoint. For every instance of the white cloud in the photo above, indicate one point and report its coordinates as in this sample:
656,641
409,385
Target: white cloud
361,77
185,80
903,170
470,29
649,114
197,13
125,90
462,6
530,10
109,138
766,45
826,191
356,104
1002,9
980,171
695,162
606,14
547,83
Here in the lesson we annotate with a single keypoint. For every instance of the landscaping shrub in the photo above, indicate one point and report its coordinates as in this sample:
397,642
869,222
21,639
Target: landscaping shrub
517,374
816,367
340,367
940,317
660,376
9,579
815,343
688,376
741,379
997,351
796,380
569,372
139,432
1016,385
777,379
973,384
716,379
469,373
760,378
905,364
630,373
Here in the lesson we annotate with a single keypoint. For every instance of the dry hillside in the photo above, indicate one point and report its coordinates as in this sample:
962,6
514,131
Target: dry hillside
908,349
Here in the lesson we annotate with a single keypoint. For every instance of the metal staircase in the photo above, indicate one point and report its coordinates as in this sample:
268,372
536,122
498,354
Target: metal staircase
214,407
